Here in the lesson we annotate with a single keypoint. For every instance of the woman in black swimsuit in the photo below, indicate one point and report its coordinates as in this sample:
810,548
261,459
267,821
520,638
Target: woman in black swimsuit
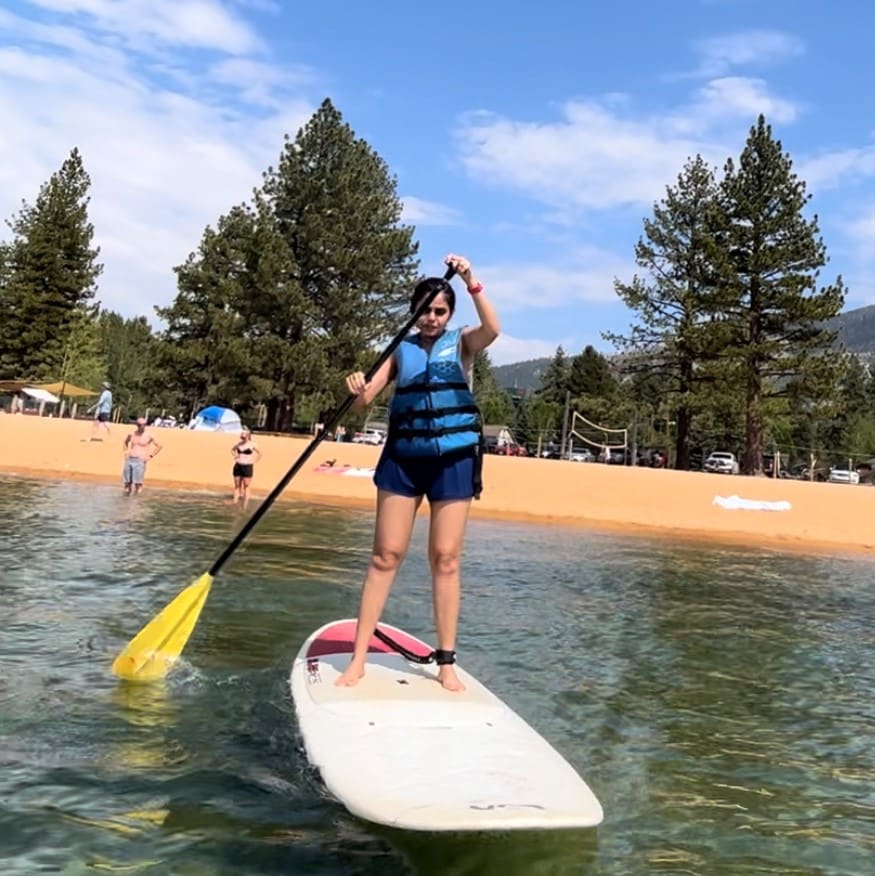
245,454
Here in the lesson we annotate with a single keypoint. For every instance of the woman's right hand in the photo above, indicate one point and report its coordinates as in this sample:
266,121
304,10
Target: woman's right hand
356,383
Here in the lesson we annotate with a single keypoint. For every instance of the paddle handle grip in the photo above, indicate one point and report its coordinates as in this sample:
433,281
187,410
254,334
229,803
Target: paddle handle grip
329,426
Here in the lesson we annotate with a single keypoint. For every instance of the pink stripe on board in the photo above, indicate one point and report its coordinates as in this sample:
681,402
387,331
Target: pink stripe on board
338,639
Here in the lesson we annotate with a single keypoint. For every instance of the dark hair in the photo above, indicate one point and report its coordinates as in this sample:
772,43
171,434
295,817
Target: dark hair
427,286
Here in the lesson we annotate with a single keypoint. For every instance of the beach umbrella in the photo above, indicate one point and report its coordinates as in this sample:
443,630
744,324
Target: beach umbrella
153,651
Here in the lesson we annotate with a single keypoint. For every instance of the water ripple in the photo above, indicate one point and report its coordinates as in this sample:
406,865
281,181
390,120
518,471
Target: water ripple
720,702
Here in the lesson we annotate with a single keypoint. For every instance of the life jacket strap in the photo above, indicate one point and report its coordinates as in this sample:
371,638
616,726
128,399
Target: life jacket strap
431,386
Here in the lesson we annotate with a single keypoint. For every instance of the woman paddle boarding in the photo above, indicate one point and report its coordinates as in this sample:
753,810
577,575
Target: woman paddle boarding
432,451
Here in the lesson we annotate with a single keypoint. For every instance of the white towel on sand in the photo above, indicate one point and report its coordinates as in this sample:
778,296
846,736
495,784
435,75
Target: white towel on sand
736,503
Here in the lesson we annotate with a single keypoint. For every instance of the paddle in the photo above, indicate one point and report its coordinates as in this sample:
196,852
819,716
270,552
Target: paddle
153,651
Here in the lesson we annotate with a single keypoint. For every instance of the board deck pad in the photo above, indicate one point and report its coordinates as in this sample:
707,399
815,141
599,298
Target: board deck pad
397,749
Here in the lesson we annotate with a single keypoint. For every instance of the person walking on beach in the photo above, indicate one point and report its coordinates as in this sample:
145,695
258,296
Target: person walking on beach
102,409
139,449
432,451
245,454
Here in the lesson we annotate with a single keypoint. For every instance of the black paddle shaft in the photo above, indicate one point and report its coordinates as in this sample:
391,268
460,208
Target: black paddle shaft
333,420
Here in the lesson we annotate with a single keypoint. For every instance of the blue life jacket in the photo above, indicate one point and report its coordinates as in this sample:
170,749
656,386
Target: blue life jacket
433,410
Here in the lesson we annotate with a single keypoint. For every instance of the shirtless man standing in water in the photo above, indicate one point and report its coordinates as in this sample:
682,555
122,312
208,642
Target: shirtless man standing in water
139,448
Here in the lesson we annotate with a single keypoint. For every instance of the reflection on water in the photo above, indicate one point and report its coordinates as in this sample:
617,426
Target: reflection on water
719,702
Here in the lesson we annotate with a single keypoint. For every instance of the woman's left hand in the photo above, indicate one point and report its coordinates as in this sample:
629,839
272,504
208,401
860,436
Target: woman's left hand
462,267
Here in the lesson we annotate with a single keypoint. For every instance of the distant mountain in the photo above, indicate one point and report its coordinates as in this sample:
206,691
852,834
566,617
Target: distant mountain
856,329
521,375
856,332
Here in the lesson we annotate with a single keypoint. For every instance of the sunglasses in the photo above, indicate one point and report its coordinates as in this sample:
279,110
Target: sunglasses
437,311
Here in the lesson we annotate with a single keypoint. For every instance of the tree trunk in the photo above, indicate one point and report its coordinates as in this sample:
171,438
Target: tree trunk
752,462
682,443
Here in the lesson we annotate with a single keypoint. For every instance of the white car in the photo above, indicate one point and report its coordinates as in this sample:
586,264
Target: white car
581,454
841,474
369,436
722,462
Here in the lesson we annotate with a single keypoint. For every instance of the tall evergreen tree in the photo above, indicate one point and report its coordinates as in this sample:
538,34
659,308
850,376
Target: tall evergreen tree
676,335
590,374
539,420
223,289
554,380
84,363
337,209
129,349
494,402
50,275
771,255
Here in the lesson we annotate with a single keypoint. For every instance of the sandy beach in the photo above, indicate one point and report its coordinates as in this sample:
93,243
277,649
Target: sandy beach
822,518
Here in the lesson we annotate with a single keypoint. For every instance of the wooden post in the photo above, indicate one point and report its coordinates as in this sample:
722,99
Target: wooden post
562,451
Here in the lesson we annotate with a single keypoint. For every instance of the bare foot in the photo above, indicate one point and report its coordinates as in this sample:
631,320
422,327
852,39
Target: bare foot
448,678
350,676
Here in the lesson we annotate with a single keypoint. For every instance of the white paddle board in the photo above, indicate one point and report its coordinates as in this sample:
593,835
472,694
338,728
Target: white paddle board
397,749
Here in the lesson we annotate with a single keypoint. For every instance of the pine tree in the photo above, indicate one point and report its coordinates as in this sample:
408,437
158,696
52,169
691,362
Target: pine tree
676,336
494,402
336,207
49,275
554,380
769,299
590,375
206,349
129,349
84,363
542,419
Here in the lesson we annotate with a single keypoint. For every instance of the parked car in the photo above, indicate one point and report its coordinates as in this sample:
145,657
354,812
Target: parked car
864,470
721,462
802,472
510,449
369,436
550,451
581,454
616,456
841,474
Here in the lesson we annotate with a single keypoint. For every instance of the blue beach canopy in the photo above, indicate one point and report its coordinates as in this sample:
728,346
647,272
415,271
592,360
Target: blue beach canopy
216,419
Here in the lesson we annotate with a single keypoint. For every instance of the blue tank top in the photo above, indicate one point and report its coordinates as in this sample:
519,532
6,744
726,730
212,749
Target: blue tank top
433,411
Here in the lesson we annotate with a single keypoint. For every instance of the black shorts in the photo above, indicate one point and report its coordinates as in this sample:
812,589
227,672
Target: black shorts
438,478
102,417
241,470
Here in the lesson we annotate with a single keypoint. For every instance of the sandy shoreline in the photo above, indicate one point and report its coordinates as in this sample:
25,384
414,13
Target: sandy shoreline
823,518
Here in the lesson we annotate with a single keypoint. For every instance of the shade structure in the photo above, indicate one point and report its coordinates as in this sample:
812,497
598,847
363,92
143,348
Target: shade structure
69,390
40,394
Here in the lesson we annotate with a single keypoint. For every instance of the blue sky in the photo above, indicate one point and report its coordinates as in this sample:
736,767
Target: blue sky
533,138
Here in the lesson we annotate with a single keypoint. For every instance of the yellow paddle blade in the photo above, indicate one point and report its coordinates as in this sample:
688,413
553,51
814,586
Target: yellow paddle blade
153,651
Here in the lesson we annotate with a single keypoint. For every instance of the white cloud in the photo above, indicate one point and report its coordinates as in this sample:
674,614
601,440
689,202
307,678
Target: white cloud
830,169
508,349
260,82
585,276
600,156
143,24
592,158
420,212
719,55
861,231
165,160
743,98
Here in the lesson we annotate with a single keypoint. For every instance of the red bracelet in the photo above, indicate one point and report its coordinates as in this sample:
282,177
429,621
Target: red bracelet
475,290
